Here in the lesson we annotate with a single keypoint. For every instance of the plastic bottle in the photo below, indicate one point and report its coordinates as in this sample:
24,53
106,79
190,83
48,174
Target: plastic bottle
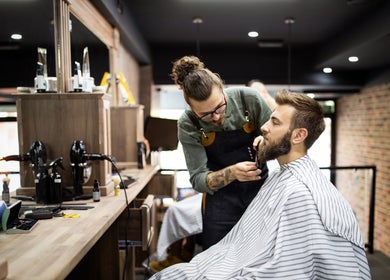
41,84
117,191
55,190
42,185
141,155
116,181
96,191
5,193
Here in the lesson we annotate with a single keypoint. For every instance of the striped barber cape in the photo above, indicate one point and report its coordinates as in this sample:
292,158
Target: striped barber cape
297,227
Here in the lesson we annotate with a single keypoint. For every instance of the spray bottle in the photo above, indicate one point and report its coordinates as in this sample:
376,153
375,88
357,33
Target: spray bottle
41,177
78,164
55,189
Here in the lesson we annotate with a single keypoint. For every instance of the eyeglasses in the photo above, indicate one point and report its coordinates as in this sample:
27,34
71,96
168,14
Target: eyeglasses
207,117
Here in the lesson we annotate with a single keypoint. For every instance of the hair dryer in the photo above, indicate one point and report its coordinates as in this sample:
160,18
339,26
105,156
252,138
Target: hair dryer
38,154
79,160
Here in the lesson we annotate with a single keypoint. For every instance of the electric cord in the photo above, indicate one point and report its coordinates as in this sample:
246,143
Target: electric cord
147,268
128,216
88,156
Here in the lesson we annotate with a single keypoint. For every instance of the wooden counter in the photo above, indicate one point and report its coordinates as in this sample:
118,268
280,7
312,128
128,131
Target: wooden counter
62,248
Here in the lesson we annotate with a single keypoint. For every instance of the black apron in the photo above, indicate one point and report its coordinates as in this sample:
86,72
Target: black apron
222,210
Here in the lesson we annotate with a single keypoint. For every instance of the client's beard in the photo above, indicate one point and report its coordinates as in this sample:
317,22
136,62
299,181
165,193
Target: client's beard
275,149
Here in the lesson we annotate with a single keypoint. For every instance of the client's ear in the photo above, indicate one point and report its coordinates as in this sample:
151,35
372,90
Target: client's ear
299,135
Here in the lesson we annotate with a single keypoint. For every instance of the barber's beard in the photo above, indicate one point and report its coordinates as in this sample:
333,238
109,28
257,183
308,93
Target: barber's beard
275,149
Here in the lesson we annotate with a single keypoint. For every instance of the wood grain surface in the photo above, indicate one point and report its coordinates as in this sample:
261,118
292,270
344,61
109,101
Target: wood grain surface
55,246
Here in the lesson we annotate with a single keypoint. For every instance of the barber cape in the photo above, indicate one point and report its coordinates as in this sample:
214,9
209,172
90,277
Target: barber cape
297,227
182,219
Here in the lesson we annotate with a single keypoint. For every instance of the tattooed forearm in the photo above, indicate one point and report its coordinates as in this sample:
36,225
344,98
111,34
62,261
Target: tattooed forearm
219,179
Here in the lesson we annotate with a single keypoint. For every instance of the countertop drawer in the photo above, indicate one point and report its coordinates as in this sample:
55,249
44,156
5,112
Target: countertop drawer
136,225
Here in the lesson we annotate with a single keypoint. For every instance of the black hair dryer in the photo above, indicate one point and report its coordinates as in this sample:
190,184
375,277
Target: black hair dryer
78,163
38,157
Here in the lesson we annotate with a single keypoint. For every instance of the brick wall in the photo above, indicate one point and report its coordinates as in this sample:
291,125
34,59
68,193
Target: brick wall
363,138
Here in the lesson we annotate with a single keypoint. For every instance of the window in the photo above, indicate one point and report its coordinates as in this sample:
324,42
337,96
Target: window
321,150
9,145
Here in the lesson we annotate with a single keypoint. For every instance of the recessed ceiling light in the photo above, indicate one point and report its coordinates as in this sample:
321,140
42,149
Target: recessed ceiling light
327,70
253,34
353,59
16,36
289,20
197,20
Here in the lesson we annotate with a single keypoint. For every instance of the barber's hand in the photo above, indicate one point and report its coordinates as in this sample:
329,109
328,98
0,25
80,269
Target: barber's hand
246,171
257,141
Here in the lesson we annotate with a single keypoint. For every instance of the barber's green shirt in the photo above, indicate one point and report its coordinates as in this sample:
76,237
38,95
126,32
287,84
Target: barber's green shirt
189,135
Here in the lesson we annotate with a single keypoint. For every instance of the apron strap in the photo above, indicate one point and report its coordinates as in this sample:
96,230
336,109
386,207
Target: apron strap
244,104
195,121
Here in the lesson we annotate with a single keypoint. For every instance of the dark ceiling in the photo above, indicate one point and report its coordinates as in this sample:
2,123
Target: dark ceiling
325,33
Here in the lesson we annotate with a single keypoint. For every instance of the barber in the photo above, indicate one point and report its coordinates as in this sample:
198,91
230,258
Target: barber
217,134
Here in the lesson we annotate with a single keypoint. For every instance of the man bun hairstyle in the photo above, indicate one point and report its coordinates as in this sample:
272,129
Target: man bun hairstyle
190,74
183,67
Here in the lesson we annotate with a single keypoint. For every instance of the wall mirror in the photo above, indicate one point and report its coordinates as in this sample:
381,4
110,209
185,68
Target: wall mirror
81,37
85,15
34,20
